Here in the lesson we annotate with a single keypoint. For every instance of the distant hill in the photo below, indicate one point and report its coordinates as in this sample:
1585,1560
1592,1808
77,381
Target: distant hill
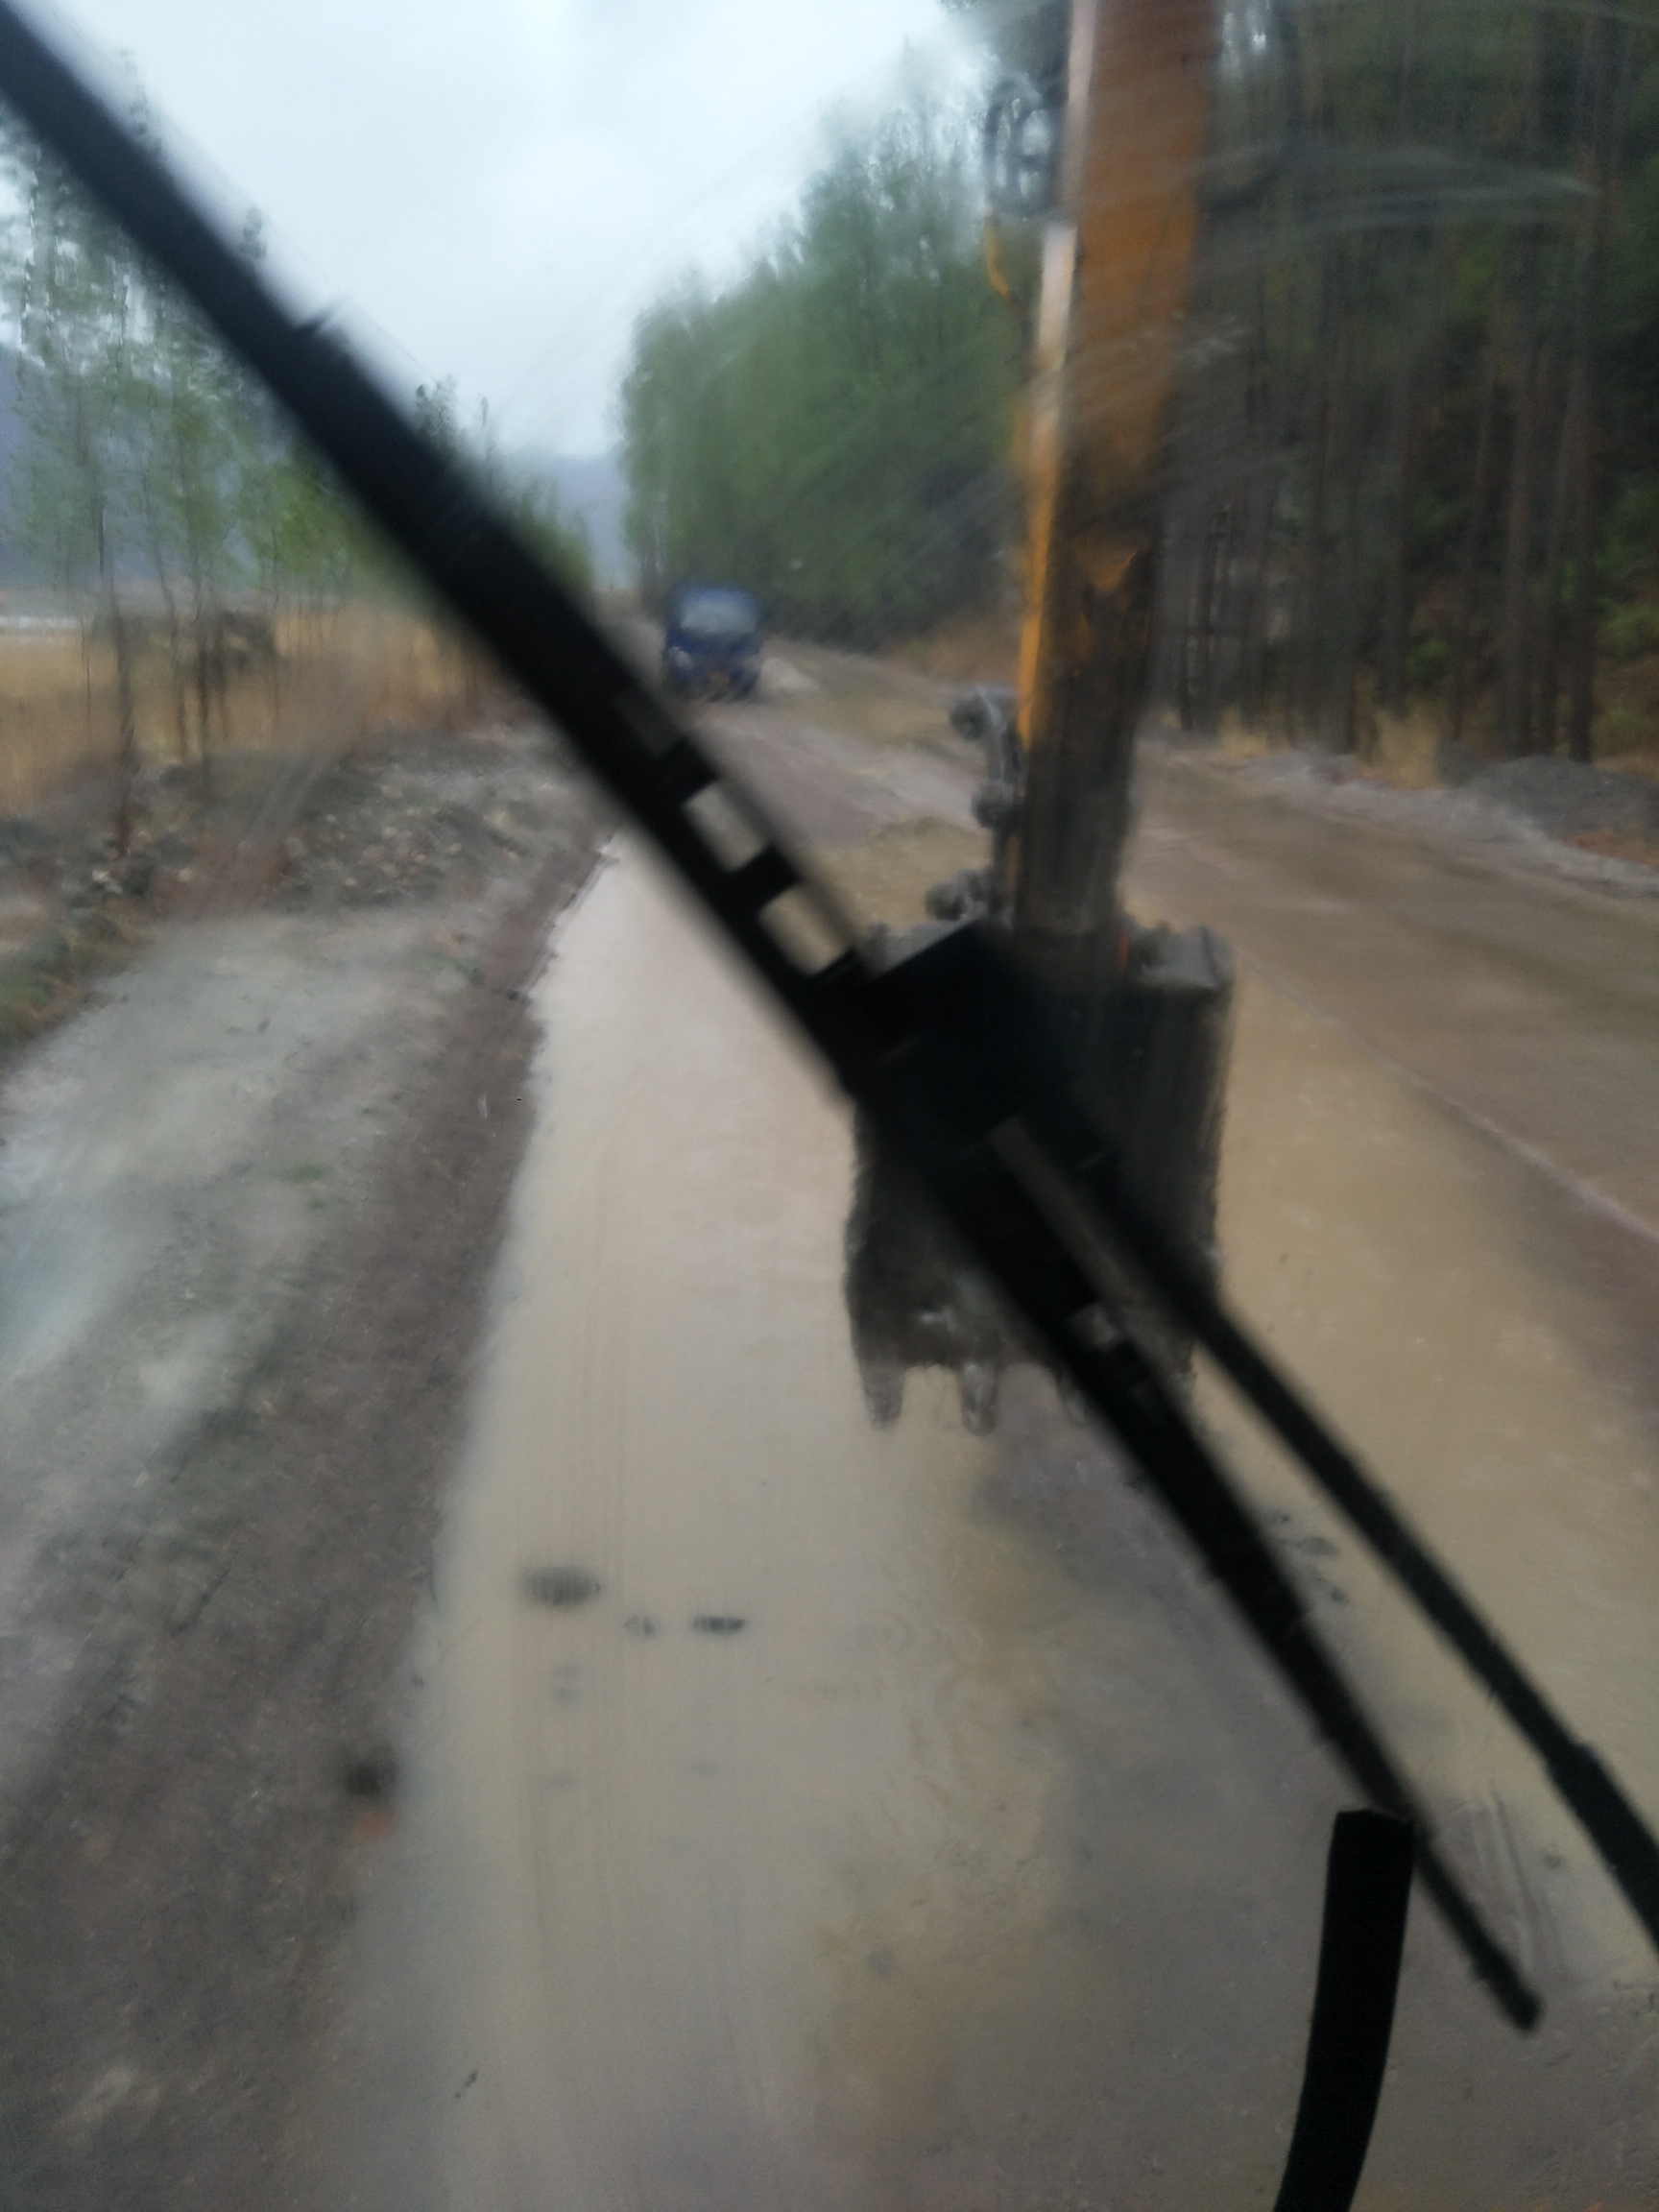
591,486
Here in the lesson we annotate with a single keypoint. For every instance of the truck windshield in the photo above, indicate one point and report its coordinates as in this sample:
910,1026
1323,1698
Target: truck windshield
718,615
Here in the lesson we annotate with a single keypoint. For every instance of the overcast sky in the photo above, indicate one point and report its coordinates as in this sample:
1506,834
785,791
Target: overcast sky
493,190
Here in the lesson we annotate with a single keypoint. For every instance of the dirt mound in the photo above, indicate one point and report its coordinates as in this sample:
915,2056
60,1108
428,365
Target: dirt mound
410,816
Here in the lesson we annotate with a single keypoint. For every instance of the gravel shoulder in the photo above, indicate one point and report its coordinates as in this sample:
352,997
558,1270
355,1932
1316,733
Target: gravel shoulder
250,1197
1596,828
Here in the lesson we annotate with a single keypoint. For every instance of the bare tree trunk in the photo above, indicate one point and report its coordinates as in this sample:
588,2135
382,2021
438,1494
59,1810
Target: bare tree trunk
1306,687
1567,475
1514,624
126,722
1568,470
175,636
1225,610
1400,449
1355,609
1215,537
1514,669
1609,87
1469,554
207,642
1348,607
1268,421
203,690
275,671
90,466
126,718
1255,610
1396,466
1178,563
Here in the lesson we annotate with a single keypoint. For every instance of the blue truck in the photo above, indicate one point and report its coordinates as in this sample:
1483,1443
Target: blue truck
711,641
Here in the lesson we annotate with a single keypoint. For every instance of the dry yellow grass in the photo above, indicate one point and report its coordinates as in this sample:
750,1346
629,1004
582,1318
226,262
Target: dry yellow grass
1241,740
1398,749
1404,749
337,671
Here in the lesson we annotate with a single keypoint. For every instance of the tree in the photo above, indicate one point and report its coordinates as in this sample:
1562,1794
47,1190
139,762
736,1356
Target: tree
832,429
1422,395
69,284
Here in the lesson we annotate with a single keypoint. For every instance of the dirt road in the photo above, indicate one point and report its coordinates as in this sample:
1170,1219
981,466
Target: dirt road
1527,1003
802,1815
249,1194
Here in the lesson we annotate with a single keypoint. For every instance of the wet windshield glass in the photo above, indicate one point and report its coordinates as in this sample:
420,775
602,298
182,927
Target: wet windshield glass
564,1638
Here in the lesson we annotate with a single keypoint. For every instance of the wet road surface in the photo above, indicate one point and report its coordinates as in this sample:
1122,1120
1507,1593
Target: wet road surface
1528,1003
807,1815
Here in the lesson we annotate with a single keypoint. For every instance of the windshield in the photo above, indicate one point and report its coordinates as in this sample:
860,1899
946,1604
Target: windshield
716,617
641,1564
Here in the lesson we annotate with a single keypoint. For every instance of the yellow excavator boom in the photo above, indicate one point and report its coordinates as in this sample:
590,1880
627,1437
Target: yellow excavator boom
1116,276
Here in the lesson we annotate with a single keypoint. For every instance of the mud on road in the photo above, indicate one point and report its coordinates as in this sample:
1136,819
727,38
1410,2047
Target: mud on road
249,1200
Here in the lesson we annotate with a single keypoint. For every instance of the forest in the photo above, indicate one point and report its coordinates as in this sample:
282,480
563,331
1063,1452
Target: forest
1413,469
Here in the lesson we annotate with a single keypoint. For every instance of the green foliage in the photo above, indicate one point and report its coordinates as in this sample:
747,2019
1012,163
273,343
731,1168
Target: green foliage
1631,551
830,431
1630,632
150,452
1619,727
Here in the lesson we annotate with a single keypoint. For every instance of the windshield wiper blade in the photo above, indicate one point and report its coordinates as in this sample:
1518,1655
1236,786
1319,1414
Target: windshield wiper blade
914,1047
1625,1842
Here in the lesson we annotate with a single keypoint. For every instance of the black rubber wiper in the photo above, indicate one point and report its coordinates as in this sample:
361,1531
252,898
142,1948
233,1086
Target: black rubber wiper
1362,1937
927,1050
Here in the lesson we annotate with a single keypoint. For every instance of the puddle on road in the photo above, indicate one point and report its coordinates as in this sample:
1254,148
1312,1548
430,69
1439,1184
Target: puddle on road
680,1847
981,1867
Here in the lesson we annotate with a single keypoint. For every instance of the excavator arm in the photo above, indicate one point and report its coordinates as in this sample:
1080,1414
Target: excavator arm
1093,155
1116,264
